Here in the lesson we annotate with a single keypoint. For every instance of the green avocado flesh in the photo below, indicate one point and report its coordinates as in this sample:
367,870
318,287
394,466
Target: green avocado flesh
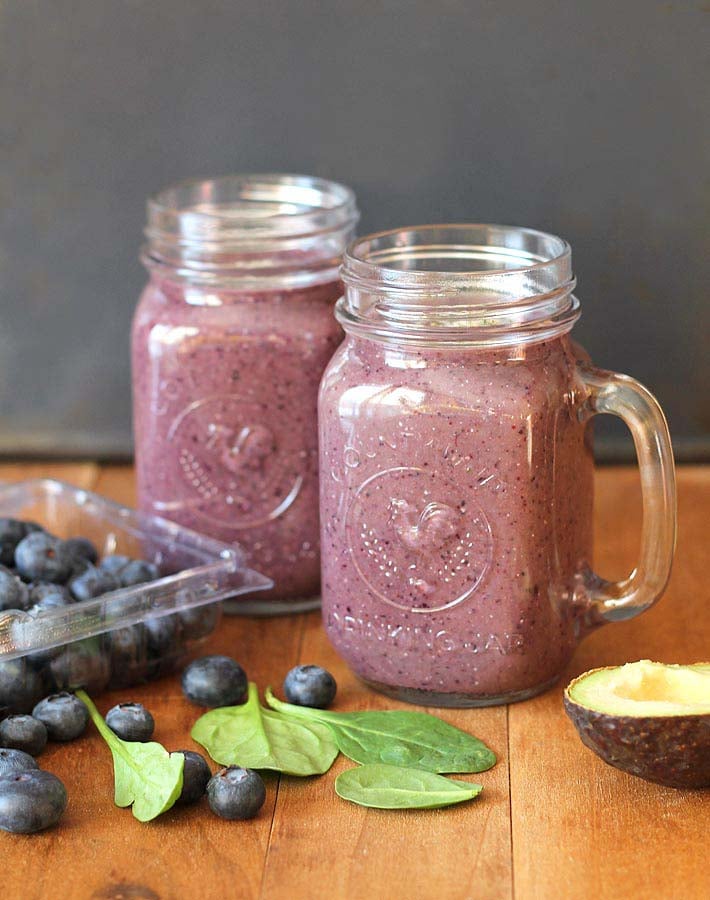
645,689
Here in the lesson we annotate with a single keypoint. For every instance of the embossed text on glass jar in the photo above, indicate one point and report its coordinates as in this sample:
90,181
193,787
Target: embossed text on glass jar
457,470
230,338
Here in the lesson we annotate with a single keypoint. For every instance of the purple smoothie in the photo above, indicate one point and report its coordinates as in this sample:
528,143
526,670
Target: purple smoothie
225,393
456,501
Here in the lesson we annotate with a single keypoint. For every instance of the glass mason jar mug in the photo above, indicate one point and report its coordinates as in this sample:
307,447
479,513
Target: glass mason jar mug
230,338
457,469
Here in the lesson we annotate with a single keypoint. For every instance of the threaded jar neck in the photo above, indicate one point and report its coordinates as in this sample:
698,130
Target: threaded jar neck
473,285
250,232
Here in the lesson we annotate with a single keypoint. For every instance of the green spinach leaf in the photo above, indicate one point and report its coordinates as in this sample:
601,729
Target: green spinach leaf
145,775
397,737
258,738
394,787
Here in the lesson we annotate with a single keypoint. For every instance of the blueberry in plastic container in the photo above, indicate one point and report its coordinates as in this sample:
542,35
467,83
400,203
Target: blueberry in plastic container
31,527
14,593
31,801
82,550
21,687
23,733
131,722
63,715
310,686
48,595
38,659
43,557
236,793
92,583
12,761
195,777
214,681
82,664
128,656
162,634
137,571
114,562
199,621
12,531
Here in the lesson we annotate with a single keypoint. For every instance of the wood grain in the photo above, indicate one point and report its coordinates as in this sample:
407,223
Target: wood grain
82,475
579,828
582,824
454,853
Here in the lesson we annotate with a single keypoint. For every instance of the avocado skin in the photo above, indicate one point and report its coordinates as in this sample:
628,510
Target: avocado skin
669,750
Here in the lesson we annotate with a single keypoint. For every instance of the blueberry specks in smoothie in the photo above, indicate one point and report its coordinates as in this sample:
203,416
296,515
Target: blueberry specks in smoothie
421,538
232,449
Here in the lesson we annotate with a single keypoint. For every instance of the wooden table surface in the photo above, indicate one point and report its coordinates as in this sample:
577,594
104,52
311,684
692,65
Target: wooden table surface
553,820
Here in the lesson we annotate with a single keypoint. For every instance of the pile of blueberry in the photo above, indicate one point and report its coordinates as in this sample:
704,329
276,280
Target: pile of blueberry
235,792
38,572
32,800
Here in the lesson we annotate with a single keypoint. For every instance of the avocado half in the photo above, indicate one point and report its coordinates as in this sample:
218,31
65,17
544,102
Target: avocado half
647,718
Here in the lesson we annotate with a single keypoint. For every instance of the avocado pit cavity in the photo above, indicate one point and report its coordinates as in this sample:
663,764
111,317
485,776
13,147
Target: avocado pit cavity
645,688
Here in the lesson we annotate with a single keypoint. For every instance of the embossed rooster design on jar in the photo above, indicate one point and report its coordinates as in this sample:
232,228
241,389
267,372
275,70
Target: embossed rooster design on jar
230,338
457,471
426,530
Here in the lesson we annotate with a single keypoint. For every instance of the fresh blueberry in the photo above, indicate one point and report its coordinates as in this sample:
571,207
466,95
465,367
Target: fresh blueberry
38,659
92,583
199,621
82,550
162,634
31,527
14,593
131,722
23,733
310,686
31,801
114,563
236,793
12,761
214,681
49,596
138,571
195,777
56,597
42,557
11,533
82,664
63,715
127,655
20,685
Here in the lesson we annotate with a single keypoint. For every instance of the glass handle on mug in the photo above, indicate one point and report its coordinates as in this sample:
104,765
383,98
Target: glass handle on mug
619,395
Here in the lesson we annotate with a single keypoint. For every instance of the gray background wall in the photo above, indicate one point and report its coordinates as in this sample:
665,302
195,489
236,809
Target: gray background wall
589,119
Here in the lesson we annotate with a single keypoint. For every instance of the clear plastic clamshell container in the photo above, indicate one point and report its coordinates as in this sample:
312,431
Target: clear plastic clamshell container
131,634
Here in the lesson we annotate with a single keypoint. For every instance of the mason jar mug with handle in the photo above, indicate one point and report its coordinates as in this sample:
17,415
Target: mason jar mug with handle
457,470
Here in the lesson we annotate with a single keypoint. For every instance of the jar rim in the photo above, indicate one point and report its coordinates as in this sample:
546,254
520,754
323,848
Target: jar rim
366,258
242,208
458,284
250,232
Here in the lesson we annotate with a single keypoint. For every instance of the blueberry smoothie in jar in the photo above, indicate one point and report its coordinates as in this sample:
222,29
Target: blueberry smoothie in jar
230,339
457,468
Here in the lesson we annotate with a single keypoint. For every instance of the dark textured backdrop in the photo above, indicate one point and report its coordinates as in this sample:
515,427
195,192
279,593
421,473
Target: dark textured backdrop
589,119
